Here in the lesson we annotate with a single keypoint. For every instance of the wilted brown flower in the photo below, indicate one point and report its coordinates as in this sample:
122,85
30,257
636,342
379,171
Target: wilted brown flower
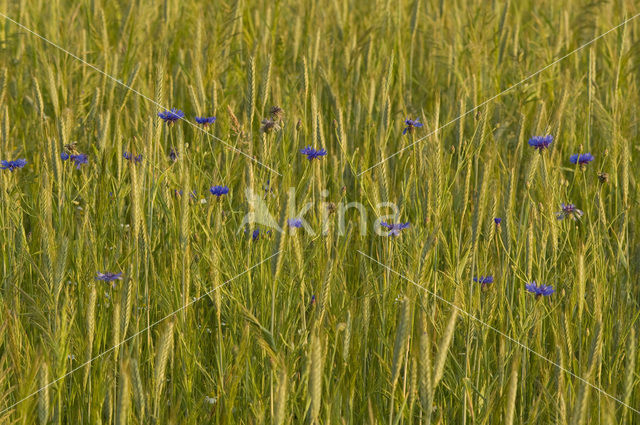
603,177
276,112
269,125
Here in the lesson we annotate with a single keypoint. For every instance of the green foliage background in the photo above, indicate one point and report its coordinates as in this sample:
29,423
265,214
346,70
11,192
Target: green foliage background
374,347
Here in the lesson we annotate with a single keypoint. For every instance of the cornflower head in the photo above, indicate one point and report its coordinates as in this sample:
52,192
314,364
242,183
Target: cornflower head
171,116
497,221
205,121
269,125
276,112
173,155
313,153
541,142
581,159
411,125
539,290
394,229
129,156
294,222
109,277
483,280
569,210
603,177
13,165
255,235
219,190
78,159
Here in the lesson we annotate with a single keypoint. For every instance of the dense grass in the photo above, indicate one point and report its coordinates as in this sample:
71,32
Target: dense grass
373,347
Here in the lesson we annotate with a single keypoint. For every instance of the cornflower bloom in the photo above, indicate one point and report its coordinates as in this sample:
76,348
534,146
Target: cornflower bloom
136,159
276,112
541,142
484,280
268,125
312,153
219,190
255,235
411,125
569,210
109,277
173,155
13,165
539,290
394,229
581,159
171,116
78,159
603,177
497,221
294,222
205,121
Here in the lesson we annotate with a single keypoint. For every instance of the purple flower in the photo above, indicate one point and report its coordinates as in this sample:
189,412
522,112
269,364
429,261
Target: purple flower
79,159
108,276
294,222
497,221
312,153
171,116
539,290
484,280
205,121
411,125
541,142
581,159
569,210
255,235
394,229
173,155
136,159
13,165
219,190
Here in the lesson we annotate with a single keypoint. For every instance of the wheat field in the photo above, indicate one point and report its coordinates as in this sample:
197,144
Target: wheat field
133,291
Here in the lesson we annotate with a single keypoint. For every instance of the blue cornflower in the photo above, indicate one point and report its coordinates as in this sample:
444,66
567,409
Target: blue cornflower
79,159
569,210
255,235
411,125
205,121
219,190
173,155
497,221
539,290
294,222
541,142
13,165
171,116
581,159
312,153
136,159
484,280
109,277
394,229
